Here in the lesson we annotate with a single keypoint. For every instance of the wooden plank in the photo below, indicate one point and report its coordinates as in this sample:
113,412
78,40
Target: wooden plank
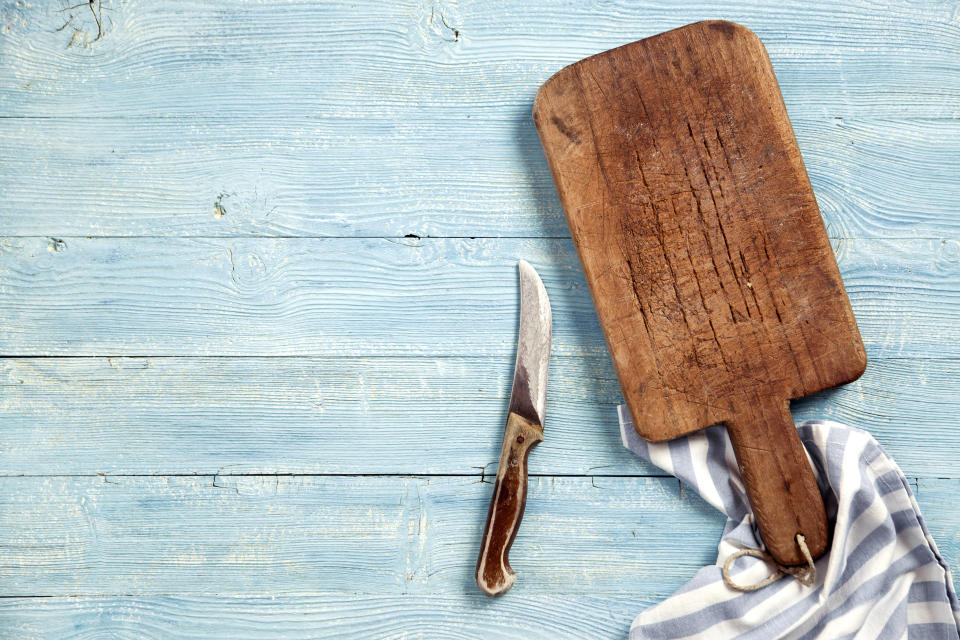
294,415
300,535
281,535
867,180
347,58
464,616
145,296
464,613
393,177
388,415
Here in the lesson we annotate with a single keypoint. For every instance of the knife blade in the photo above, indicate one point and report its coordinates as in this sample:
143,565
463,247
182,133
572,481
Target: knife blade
524,429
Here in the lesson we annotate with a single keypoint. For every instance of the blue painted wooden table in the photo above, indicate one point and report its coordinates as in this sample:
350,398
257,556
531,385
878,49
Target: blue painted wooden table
258,304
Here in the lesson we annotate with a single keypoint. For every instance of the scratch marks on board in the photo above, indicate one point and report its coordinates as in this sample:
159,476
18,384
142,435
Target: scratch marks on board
416,561
245,206
246,269
409,240
363,393
85,22
947,257
218,209
483,473
436,29
450,33
233,266
86,508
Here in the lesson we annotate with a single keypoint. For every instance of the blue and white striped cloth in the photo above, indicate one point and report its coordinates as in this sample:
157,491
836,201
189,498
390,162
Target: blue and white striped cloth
881,578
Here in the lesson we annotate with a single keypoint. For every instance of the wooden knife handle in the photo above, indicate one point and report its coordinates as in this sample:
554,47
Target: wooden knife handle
494,575
780,483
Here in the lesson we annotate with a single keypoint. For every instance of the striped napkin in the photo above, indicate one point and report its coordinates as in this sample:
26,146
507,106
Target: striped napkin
881,578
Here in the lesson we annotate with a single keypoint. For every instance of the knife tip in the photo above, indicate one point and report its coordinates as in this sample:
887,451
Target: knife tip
526,270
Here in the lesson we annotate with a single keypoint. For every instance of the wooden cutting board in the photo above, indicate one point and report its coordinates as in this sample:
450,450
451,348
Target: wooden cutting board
705,253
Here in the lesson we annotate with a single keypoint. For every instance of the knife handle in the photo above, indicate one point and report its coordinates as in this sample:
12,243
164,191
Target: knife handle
494,575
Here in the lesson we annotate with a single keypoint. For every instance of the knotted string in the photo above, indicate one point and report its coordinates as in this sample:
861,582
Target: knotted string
804,574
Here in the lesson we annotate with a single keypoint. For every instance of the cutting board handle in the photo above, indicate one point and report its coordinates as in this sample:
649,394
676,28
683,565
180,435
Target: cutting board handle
780,483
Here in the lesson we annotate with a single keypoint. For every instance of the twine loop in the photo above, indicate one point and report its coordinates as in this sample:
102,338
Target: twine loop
805,575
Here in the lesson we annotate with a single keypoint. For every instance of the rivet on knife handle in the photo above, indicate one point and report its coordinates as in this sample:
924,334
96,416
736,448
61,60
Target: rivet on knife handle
524,429
494,575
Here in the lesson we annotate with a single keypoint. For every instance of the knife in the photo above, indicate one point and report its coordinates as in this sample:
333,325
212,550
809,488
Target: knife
524,429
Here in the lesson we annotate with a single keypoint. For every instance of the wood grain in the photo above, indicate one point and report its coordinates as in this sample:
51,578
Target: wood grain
331,177
153,296
295,535
331,616
703,247
284,535
544,606
238,60
64,416
381,120
348,119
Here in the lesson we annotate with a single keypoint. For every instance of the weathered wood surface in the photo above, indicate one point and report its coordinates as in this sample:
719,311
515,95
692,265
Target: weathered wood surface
378,120
64,416
706,257
453,616
276,535
331,177
353,60
336,296
174,111
288,535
